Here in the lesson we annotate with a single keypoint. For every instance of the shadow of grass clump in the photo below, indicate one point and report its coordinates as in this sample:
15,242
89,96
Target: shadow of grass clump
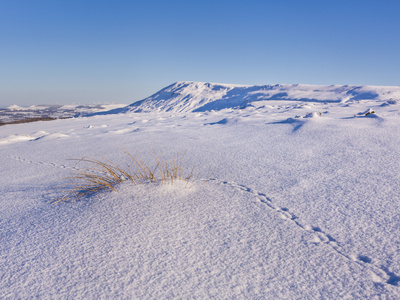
100,175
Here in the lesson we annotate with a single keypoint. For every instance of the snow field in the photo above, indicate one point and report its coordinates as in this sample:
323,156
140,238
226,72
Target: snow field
302,204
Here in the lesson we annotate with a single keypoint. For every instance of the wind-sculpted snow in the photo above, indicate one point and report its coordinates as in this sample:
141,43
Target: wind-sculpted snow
201,97
300,201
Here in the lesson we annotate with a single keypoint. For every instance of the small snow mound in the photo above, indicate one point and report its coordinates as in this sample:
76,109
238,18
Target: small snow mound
389,102
223,121
39,133
292,120
179,185
56,135
15,138
313,115
369,112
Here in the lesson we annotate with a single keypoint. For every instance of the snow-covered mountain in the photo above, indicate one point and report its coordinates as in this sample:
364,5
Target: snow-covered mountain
187,96
294,198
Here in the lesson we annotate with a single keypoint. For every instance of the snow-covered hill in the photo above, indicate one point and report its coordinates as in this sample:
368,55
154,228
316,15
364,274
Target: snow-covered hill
199,96
301,202
15,113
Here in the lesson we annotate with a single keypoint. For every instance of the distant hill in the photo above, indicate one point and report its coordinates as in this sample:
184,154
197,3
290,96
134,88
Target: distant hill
186,96
17,114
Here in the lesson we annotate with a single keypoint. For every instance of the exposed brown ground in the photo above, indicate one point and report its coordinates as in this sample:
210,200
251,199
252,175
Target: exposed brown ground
27,121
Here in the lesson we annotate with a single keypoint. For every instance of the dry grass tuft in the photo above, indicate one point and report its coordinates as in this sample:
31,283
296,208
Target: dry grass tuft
102,175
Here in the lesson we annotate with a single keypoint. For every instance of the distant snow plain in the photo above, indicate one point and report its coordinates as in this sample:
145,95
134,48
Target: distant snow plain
302,201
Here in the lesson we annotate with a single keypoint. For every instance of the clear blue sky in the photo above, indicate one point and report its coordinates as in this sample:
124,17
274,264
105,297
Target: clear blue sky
95,51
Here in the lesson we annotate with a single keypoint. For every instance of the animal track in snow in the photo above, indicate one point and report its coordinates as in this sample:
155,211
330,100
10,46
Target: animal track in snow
380,274
21,159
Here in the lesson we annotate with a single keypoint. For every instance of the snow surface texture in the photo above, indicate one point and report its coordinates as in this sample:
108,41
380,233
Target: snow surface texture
303,203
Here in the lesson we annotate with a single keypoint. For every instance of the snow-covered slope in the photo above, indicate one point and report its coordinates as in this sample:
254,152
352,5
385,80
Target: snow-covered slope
199,96
303,202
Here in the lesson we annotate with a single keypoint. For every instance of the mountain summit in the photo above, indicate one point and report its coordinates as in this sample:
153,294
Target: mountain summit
184,96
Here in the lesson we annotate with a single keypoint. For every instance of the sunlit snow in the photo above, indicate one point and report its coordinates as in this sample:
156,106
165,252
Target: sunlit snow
296,197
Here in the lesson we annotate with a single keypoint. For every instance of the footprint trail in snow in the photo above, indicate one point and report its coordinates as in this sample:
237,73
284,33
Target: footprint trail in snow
380,274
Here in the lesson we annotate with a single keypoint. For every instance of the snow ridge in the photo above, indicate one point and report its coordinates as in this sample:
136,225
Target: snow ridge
187,96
